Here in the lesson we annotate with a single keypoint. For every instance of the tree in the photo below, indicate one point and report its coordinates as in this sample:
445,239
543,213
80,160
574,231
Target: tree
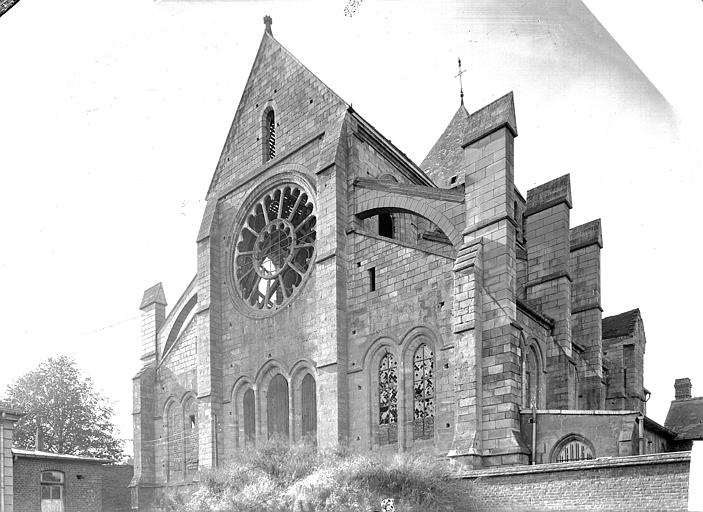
64,410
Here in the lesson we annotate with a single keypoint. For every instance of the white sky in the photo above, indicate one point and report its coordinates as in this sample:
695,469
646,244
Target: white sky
113,114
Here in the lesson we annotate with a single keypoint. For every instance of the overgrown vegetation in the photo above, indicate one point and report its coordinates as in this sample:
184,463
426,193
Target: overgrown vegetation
280,477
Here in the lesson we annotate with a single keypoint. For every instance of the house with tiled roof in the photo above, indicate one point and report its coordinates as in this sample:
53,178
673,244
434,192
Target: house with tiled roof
685,416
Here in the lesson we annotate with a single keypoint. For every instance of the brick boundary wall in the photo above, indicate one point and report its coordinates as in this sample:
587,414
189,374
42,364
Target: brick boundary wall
639,482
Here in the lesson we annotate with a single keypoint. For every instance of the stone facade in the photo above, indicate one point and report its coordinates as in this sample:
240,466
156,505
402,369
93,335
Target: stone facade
344,293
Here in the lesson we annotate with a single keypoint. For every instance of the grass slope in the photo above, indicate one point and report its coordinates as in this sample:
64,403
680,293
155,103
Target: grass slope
280,477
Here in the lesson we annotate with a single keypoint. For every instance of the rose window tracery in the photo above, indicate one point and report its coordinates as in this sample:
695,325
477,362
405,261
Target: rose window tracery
275,246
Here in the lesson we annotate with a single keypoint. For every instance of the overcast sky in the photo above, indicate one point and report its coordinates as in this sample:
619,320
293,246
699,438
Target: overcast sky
113,114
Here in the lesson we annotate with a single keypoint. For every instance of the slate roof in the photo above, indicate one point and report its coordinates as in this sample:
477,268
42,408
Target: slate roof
495,115
447,153
153,294
685,417
620,325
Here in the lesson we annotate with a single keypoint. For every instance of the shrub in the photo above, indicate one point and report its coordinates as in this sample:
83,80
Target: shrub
276,477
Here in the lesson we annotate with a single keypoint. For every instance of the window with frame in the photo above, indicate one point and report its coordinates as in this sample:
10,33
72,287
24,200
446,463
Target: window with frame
388,399
572,448
423,393
52,491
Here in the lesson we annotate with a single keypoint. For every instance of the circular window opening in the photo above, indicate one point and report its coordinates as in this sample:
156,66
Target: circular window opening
274,248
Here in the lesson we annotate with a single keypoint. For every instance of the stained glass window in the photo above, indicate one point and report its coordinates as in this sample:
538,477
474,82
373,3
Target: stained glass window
388,400
423,393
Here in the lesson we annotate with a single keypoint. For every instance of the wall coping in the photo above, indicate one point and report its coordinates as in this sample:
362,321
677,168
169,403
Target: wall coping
599,463
580,412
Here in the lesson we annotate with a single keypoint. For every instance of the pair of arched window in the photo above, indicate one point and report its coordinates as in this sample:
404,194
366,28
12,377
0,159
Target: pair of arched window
278,409
423,381
182,439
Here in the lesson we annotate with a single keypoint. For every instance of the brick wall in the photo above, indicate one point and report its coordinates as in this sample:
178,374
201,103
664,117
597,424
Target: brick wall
82,487
642,482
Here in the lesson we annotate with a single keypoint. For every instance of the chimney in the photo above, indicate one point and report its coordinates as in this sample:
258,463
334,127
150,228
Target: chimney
683,389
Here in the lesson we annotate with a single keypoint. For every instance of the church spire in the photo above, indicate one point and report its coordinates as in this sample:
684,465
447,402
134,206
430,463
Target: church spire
268,21
461,85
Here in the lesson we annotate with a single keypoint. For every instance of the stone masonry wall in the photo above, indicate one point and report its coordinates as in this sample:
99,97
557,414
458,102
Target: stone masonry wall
643,482
115,494
411,305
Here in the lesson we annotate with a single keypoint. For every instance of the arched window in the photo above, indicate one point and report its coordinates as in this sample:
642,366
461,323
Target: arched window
52,490
174,442
423,393
269,135
388,400
277,407
385,225
249,416
531,377
190,435
309,407
573,447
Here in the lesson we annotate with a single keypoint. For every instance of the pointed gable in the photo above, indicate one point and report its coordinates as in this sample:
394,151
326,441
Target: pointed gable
304,107
444,159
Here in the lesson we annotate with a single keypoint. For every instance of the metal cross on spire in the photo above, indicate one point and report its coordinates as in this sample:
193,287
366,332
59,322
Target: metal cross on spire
461,85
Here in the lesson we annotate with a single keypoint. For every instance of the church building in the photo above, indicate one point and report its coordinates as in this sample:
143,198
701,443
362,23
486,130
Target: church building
345,295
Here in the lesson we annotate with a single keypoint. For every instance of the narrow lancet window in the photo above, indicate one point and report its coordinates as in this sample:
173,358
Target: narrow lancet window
277,407
270,136
249,416
423,393
309,408
388,399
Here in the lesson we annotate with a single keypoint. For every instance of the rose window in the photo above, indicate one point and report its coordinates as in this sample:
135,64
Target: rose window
275,248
